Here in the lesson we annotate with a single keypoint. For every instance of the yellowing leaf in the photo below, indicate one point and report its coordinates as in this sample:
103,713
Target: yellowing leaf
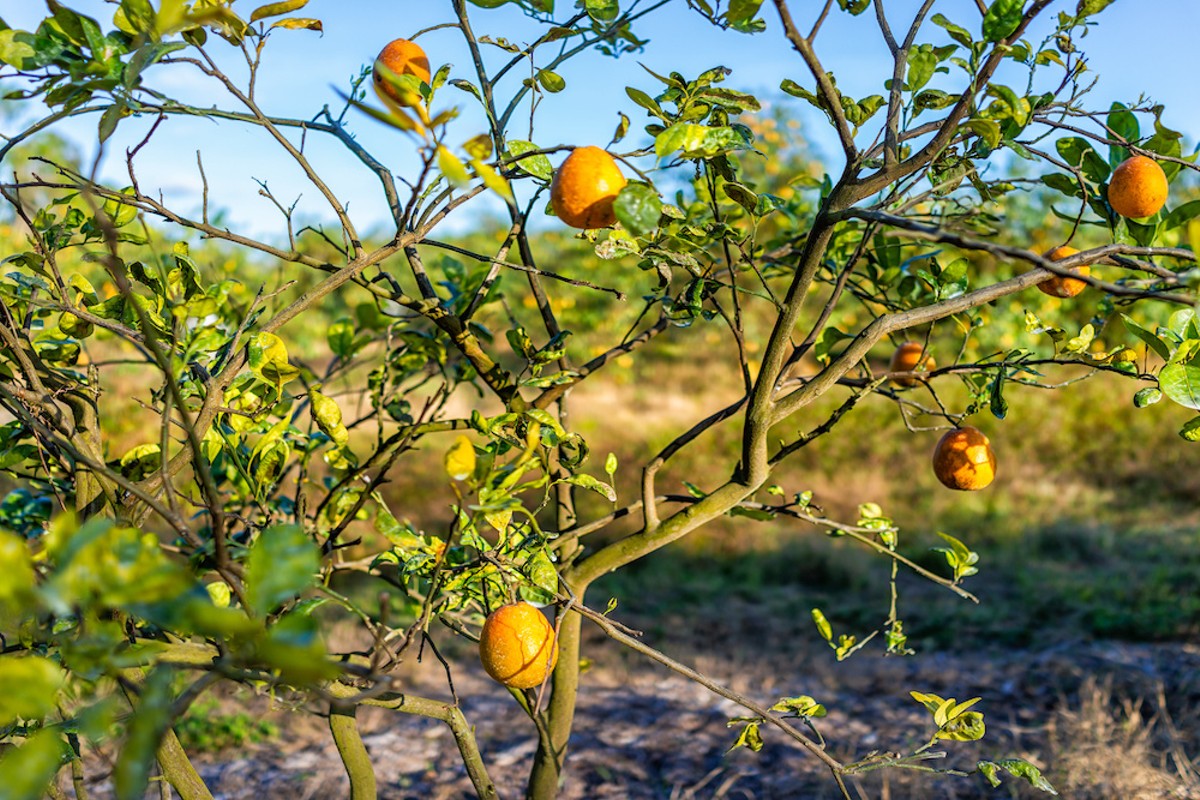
460,459
219,593
452,166
277,9
492,179
499,520
328,416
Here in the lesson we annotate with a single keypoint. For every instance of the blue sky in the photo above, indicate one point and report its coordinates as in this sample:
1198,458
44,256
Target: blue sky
1132,52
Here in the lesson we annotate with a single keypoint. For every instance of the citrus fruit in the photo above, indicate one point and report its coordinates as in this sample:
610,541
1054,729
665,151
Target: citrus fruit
517,646
963,459
585,187
1059,285
400,57
910,357
1137,188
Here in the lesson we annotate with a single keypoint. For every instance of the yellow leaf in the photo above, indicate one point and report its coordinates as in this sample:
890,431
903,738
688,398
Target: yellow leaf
452,166
499,520
460,459
492,179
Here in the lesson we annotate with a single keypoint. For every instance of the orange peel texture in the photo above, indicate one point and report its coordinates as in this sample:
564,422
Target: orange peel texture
585,187
1060,285
401,57
1137,188
908,358
964,460
517,646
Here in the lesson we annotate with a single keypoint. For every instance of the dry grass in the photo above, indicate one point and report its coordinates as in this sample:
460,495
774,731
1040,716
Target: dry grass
1112,746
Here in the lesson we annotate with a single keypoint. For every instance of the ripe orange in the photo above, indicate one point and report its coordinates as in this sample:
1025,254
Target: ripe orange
585,187
1137,188
1059,286
401,57
517,646
910,357
963,459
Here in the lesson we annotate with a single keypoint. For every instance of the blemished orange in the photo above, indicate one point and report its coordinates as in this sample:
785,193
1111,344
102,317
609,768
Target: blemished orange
517,646
401,57
1062,286
908,358
964,460
585,187
1137,188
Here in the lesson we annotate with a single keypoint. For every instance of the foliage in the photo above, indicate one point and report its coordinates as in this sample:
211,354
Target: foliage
216,548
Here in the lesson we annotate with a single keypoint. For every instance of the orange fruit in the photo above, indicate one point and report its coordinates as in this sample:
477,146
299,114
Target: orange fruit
517,646
910,357
1060,286
963,459
401,57
585,187
1137,188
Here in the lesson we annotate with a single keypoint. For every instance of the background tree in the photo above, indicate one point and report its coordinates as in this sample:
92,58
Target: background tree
252,517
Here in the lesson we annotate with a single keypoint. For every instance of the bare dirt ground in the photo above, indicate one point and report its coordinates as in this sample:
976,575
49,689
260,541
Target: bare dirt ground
1106,721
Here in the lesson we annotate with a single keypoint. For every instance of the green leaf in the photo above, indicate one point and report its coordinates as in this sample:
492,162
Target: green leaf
1088,7
135,17
1123,123
742,11
1156,344
638,208
610,464
594,484
1078,152
282,563
1020,768
855,7
27,770
1181,215
1191,430
922,61
988,770
39,681
957,33
541,571
1181,383
987,129
551,81
538,165
340,337
17,49
603,10
1147,397
1002,19
109,119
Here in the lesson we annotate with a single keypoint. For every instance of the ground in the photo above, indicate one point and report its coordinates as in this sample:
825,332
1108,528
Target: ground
1105,720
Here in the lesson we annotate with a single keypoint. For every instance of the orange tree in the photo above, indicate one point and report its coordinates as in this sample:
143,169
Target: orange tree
136,578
